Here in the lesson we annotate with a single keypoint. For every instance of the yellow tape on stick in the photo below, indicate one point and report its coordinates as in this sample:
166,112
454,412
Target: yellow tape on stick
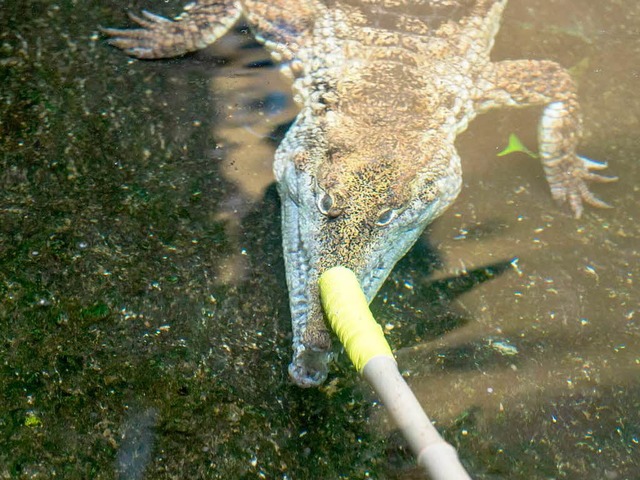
348,313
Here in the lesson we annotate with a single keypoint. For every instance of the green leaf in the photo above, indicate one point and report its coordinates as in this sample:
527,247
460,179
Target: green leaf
516,145
32,420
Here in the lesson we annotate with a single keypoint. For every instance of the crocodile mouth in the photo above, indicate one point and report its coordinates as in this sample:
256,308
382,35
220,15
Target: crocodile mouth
306,259
312,346
313,242
311,339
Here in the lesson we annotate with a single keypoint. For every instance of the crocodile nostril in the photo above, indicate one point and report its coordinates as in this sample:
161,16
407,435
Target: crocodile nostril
310,369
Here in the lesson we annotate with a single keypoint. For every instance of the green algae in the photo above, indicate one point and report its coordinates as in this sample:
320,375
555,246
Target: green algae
112,240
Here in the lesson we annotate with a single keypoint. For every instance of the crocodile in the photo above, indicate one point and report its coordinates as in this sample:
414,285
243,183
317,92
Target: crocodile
384,87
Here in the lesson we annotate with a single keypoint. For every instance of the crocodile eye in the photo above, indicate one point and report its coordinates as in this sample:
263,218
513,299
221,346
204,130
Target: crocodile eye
325,202
327,205
385,217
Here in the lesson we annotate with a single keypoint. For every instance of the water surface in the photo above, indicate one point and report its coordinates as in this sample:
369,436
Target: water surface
144,324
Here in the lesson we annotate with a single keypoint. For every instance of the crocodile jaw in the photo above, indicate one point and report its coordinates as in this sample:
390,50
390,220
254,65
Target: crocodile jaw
309,366
305,262
313,244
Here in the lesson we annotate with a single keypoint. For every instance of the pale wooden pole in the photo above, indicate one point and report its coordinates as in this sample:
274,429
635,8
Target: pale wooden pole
350,318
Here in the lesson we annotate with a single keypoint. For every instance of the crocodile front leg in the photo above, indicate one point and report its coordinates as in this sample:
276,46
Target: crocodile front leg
529,82
199,25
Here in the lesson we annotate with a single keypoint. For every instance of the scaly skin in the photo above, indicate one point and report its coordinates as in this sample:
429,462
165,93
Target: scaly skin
384,87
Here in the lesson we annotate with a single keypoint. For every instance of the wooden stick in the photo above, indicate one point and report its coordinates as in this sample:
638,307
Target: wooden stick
349,316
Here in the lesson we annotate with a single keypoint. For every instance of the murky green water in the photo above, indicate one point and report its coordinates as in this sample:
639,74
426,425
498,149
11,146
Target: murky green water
144,325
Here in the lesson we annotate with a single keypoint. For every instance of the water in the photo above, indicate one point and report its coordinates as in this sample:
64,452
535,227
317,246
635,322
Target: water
143,302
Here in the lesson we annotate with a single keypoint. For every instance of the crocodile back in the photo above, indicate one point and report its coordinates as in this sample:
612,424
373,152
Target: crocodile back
413,17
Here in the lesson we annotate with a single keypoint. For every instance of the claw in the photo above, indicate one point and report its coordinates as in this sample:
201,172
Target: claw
595,177
592,164
155,18
596,202
112,32
126,33
581,195
145,23
129,46
575,202
591,199
570,184
136,42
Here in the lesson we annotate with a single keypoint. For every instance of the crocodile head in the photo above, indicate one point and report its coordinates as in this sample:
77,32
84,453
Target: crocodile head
354,194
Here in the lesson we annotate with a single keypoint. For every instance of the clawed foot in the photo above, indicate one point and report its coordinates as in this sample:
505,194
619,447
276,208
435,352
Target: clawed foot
571,185
159,37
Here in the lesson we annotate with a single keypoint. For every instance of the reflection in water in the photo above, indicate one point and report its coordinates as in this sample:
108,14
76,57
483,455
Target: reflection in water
136,445
255,102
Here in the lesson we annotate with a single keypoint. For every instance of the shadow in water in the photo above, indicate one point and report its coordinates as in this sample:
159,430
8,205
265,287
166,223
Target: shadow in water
423,308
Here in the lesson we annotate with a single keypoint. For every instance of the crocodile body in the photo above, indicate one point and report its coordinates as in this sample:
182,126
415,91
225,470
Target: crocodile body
384,87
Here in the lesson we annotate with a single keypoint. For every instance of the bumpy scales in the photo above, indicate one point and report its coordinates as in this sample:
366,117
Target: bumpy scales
384,87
